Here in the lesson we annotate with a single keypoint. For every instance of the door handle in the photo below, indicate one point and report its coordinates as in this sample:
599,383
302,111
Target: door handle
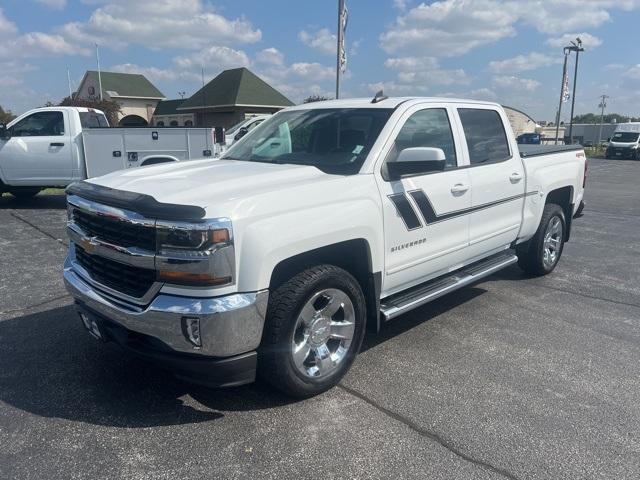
515,177
459,188
56,144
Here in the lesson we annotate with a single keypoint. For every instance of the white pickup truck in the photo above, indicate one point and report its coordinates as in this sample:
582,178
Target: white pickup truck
326,220
55,146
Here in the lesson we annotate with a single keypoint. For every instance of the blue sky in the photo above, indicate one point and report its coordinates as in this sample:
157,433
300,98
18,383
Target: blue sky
509,51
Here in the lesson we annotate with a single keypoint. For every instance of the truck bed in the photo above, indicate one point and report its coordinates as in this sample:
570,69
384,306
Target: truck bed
527,151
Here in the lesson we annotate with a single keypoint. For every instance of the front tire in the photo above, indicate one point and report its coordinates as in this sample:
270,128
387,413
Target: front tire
314,329
540,255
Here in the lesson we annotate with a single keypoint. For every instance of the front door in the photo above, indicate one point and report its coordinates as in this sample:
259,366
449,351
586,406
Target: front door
424,237
39,151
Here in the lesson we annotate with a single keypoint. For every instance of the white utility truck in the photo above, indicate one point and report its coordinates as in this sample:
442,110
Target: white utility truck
55,146
327,219
625,142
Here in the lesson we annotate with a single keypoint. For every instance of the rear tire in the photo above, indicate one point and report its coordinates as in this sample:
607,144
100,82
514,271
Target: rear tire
540,255
314,329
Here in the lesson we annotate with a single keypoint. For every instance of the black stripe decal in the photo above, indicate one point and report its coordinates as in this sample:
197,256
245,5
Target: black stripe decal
405,210
430,216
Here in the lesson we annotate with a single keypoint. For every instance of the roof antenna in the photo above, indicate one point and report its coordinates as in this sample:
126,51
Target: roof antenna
380,96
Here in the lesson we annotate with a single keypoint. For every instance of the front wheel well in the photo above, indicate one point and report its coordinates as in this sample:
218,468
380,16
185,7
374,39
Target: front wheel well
354,256
563,197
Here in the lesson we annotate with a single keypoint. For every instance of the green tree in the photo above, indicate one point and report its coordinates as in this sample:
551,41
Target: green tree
110,108
608,118
5,115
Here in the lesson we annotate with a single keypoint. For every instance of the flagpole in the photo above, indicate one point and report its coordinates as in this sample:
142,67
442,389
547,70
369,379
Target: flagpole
338,46
564,74
99,74
69,83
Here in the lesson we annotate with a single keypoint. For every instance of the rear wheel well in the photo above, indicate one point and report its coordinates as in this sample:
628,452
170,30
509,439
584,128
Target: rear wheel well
354,256
156,160
563,198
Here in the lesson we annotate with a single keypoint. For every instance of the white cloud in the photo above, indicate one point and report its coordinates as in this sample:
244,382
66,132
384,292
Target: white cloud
523,63
448,28
183,24
321,40
515,83
588,40
400,4
270,57
213,59
423,72
632,73
7,27
55,4
454,27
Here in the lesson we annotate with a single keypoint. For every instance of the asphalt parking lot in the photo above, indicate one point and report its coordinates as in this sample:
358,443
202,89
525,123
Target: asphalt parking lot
514,377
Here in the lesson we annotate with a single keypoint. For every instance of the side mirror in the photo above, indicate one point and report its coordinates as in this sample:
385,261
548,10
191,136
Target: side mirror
241,133
5,133
416,161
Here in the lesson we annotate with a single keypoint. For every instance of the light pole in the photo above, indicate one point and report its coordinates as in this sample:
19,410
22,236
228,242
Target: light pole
603,104
182,94
575,47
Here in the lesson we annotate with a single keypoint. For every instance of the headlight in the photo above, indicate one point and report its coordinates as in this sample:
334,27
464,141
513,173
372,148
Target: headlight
195,254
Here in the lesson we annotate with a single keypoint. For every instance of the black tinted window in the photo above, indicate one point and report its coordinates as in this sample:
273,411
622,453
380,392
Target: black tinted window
93,120
41,124
486,138
427,128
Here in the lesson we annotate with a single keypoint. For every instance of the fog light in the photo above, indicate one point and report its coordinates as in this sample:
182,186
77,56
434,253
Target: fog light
191,330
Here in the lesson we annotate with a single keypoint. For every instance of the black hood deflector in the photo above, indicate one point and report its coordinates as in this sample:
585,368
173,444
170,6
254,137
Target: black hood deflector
143,204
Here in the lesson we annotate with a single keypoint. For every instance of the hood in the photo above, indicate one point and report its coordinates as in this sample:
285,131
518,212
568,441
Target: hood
210,182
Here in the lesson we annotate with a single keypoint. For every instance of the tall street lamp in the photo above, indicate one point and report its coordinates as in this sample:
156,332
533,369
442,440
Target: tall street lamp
563,92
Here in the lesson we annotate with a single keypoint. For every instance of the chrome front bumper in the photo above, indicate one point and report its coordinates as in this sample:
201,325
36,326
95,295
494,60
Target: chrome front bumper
229,325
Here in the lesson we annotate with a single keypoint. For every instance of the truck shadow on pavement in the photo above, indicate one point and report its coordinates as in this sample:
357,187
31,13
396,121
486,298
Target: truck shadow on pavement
39,202
52,368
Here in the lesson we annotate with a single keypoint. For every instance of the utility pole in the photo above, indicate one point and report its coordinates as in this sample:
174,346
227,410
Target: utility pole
603,104
576,47
99,74
562,93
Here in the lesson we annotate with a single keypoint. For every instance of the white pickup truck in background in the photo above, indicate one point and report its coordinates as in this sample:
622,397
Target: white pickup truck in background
326,219
55,146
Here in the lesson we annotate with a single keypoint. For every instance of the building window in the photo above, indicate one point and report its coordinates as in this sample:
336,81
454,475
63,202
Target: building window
174,123
160,124
188,123
92,90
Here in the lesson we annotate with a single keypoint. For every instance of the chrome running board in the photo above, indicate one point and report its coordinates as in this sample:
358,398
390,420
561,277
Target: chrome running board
417,296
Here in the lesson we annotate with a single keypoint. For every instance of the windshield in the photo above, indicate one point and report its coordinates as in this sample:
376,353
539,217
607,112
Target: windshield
333,140
626,137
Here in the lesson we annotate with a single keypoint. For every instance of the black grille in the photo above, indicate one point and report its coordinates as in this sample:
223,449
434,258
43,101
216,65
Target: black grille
132,281
114,231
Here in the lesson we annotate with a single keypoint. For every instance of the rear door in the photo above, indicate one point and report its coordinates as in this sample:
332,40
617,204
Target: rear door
39,151
497,179
424,237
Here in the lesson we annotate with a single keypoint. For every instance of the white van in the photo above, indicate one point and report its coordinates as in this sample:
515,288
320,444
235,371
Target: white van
625,142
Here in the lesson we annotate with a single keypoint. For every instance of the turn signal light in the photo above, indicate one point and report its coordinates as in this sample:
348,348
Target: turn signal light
194,279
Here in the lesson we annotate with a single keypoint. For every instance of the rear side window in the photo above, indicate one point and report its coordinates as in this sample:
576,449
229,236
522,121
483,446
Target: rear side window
93,120
486,138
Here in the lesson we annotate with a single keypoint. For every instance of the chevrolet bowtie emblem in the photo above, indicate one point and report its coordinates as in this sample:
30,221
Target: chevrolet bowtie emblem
89,245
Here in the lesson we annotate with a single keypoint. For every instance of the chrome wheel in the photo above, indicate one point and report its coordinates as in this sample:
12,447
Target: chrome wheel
552,243
323,333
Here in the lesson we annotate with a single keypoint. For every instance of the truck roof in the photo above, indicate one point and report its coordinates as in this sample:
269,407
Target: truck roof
75,109
391,102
